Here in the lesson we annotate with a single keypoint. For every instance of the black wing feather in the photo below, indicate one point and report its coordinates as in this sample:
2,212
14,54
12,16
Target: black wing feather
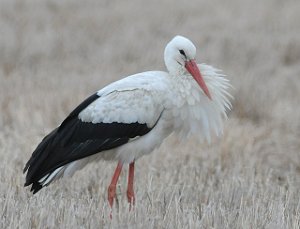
75,139
50,137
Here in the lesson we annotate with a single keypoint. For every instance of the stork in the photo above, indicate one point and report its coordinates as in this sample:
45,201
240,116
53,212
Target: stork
131,117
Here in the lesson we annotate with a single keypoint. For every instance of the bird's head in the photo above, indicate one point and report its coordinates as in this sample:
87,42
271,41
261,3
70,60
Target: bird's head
180,54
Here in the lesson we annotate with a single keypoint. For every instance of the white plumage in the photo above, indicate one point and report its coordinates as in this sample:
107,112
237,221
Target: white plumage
146,96
149,106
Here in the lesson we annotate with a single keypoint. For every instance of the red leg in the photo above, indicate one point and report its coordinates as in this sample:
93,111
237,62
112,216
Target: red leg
112,186
130,192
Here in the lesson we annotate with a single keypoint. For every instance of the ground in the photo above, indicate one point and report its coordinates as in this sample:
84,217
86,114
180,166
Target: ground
55,53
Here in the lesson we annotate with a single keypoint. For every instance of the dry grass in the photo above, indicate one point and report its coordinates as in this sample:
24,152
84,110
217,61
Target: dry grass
55,53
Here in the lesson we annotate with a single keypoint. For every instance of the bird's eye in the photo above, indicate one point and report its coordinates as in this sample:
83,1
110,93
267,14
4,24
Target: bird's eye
182,52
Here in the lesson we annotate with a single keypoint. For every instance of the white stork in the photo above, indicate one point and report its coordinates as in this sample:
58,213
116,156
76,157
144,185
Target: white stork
131,117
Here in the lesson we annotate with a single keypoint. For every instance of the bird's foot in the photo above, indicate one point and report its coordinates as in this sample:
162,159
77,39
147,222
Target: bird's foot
111,194
111,197
112,187
131,198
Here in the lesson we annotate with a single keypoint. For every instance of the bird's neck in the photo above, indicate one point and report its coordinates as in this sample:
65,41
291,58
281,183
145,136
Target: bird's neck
182,83
194,112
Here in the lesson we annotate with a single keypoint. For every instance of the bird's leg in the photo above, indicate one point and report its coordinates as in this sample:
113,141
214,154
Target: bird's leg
130,192
112,186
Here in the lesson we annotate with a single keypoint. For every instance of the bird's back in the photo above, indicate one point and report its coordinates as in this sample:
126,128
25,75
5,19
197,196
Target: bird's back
108,119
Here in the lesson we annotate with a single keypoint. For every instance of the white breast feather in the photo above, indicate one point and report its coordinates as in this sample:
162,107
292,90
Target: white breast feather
195,112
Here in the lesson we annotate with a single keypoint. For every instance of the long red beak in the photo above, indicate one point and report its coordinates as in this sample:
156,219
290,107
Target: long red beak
193,69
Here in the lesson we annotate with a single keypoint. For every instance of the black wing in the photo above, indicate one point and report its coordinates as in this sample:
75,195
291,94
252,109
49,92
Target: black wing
75,139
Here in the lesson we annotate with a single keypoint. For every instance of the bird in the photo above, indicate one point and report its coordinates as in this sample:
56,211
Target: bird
131,117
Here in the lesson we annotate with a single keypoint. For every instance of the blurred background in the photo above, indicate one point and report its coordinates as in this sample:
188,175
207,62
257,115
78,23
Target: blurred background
55,53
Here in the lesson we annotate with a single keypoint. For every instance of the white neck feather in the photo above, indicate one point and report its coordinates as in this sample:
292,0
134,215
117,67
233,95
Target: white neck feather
194,110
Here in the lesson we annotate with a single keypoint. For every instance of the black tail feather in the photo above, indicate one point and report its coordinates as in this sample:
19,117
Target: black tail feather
36,187
38,157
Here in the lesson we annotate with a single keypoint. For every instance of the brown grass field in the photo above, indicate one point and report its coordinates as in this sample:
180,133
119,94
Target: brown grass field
55,53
